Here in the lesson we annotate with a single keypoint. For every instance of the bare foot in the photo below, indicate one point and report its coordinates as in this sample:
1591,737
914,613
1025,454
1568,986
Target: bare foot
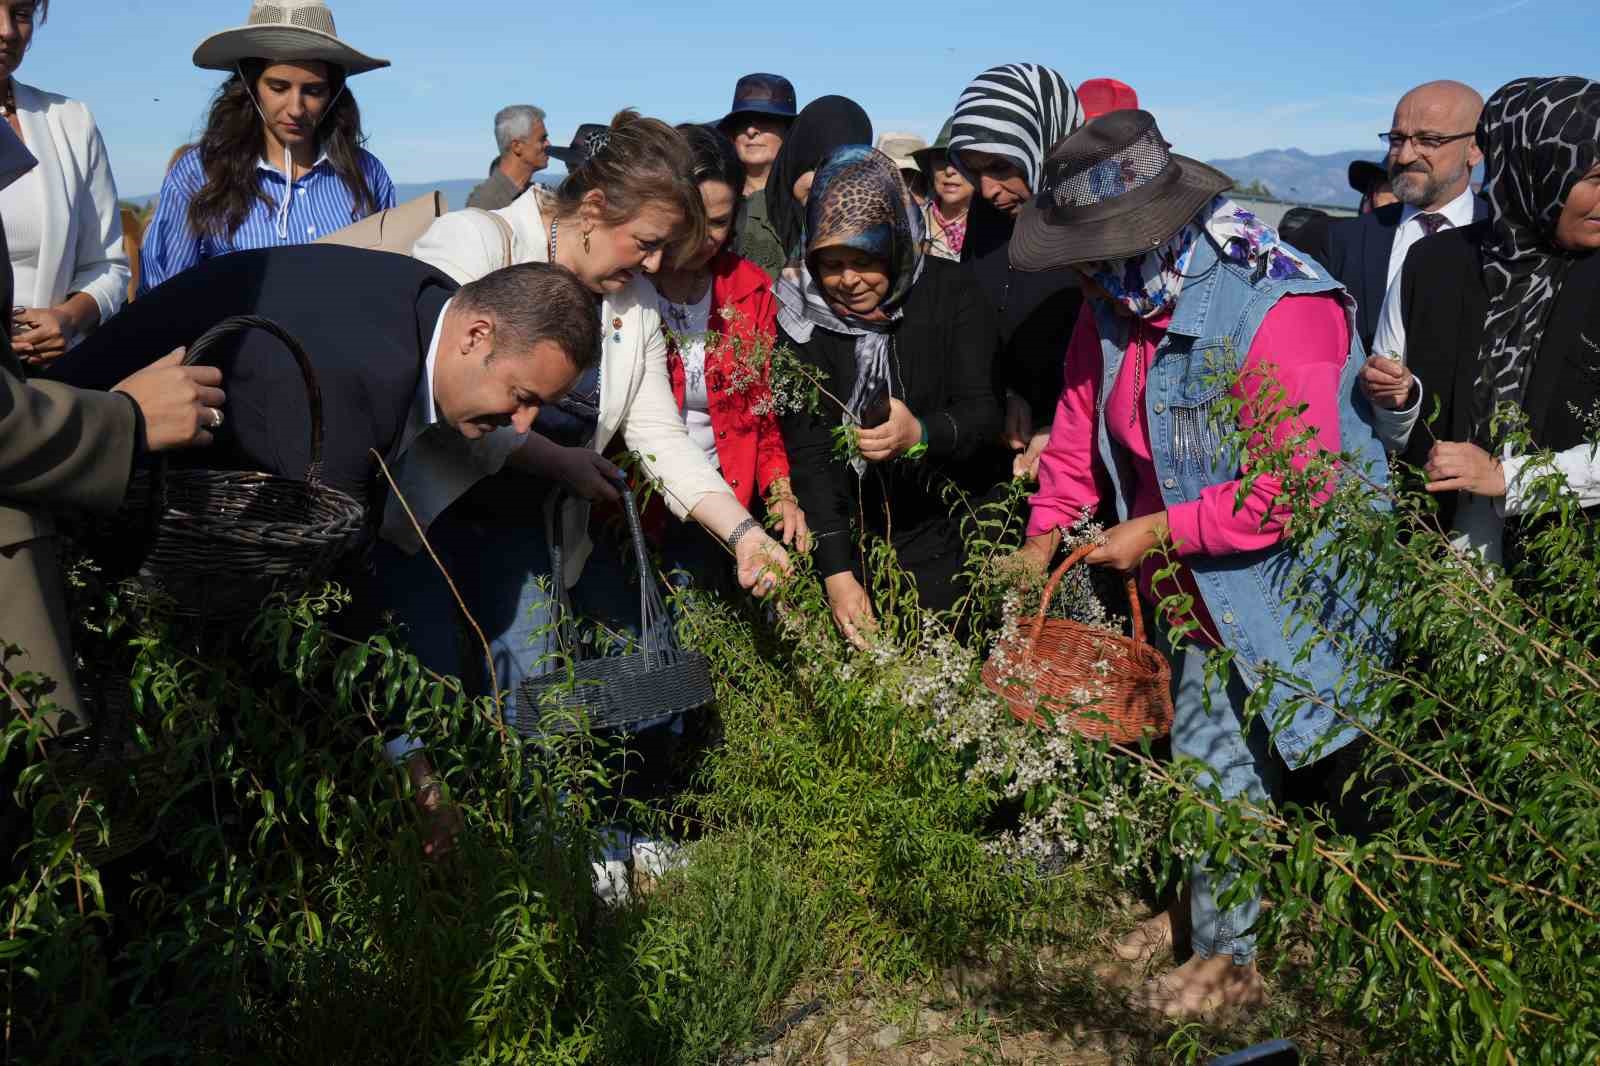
1145,941
1204,987
440,819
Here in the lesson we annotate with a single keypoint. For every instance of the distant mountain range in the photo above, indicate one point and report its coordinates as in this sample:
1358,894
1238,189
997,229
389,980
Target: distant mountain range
1290,174
456,190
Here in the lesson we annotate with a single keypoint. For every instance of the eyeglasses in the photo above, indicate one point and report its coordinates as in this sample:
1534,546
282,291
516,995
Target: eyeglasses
1426,142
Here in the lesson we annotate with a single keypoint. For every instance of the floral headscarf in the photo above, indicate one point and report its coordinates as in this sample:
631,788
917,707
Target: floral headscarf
1539,136
1149,284
858,200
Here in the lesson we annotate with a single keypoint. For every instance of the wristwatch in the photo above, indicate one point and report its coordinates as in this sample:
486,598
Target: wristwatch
739,531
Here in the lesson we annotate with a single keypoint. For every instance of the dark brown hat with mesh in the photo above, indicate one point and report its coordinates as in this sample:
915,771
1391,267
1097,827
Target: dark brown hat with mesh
1111,190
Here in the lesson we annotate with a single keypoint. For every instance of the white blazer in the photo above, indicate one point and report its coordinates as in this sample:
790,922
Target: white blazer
636,397
81,245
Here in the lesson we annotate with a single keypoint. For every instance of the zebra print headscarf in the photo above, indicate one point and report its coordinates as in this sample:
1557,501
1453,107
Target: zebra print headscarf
1539,136
1016,110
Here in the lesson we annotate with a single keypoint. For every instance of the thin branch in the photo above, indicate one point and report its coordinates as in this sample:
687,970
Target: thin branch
488,654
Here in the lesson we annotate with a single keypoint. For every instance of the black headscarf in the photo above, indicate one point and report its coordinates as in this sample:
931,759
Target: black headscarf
824,125
1539,137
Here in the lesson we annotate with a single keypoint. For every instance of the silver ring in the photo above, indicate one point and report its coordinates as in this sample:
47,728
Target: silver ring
216,417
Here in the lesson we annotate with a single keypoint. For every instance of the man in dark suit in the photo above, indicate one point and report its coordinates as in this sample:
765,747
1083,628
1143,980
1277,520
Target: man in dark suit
62,447
395,346
1430,161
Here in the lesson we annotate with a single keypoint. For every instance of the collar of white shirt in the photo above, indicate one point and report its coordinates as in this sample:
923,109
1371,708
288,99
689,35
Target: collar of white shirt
264,163
1462,211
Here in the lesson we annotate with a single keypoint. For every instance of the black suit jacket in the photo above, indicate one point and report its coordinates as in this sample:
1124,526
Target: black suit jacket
1444,304
1356,251
365,318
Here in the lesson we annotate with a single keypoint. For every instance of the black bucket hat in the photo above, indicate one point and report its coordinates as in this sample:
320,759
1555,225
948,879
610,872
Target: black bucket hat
1364,174
1112,189
762,94
587,141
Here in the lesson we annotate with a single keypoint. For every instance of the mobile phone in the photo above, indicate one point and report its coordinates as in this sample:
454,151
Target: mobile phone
1272,1053
875,412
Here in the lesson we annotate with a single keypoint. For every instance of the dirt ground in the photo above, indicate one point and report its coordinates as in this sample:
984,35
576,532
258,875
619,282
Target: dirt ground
1034,1009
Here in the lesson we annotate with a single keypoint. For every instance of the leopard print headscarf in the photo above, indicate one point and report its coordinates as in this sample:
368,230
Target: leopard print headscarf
1538,136
858,200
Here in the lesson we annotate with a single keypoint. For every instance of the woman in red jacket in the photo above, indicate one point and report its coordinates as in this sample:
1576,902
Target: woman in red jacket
720,318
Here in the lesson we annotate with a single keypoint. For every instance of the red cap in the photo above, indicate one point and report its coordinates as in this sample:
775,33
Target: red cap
1099,95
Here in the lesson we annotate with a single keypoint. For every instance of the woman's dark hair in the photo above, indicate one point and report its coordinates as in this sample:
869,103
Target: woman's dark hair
230,148
823,126
715,158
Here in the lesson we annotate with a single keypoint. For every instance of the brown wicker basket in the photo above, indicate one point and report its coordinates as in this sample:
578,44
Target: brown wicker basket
1102,685
217,542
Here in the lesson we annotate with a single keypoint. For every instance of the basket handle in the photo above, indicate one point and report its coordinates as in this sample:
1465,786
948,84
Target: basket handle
237,324
651,607
1072,560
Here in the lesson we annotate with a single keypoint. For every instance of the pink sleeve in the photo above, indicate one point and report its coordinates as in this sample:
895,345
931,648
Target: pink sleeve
1301,346
1068,483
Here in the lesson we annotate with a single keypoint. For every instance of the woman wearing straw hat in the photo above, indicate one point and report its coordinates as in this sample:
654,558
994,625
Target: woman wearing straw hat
281,160
1181,287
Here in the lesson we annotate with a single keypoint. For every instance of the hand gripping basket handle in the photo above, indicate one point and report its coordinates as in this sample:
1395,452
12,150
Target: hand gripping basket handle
230,327
1050,590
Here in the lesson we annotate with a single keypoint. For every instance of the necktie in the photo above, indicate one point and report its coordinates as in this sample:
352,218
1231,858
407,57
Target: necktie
1432,222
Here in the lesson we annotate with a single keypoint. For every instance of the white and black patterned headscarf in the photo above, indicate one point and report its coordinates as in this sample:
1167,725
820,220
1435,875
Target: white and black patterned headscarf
1539,136
1015,110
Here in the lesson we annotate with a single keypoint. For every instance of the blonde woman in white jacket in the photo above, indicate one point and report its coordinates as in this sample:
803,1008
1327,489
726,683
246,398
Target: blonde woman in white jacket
611,223
62,219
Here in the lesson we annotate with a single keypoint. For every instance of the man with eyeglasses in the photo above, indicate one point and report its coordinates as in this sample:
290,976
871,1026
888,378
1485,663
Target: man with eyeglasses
1430,162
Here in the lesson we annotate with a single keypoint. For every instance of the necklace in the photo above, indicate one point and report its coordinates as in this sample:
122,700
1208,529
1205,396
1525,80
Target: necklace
8,103
553,224
695,288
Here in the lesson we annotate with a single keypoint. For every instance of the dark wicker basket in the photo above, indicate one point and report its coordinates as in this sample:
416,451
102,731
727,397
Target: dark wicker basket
616,692
1098,684
217,542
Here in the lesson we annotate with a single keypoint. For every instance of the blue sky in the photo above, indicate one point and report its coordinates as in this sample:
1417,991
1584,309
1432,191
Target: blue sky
1223,78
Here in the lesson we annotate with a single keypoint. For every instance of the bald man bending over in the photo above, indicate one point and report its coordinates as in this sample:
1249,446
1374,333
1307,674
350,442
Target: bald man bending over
1431,156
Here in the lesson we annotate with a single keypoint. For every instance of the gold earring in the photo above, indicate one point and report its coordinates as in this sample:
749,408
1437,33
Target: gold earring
586,241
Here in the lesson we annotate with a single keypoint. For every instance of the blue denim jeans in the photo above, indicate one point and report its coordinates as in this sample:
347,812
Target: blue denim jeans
1241,764
502,570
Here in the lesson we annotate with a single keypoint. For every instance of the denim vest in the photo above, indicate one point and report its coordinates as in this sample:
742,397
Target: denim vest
1247,594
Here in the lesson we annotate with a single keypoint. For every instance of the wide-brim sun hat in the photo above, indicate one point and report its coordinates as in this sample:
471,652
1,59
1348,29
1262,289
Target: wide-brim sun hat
940,148
762,94
1112,189
284,31
902,148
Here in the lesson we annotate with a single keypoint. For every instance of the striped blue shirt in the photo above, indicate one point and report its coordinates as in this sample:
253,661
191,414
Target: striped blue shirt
320,204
